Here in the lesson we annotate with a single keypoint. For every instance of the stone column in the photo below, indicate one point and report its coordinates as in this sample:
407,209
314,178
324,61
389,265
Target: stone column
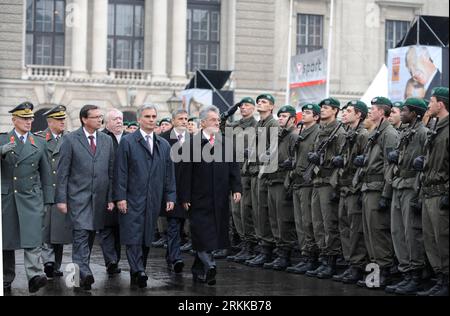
179,37
79,37
100,38
159,43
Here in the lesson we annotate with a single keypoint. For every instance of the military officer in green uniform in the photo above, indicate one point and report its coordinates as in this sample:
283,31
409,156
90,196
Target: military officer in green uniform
377,189
57,230
435,186
26,184
265,106
325,198
302,191
350,213
281,207
242,212
406,214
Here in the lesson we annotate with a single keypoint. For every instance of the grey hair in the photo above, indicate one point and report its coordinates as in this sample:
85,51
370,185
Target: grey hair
179,112
109,114
146,106
206,109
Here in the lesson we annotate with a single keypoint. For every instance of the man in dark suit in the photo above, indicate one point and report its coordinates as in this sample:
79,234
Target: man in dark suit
110,235
176,218
206,184
143,179
84,186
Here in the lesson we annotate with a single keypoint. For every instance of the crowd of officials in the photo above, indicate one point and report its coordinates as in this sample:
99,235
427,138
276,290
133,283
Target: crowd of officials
354,185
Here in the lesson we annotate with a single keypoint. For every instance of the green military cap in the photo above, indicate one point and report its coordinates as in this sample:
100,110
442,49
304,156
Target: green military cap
165,120
133,123
416,105
57,113
331,102
398,104
24,110
361,106
267,97
440,93
382,101
312,107
193,119
287,109
247,100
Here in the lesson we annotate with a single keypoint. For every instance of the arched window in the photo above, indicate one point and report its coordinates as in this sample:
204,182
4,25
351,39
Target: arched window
203,47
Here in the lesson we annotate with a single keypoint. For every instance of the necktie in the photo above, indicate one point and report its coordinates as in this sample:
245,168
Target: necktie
92,144
211,140
22,139
150,143
180,138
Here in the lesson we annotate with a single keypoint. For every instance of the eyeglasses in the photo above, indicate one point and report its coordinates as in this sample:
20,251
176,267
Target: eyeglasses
100,117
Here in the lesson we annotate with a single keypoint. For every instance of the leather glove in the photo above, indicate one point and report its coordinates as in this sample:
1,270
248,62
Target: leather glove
7,148
360,201
419,163
444,203
384,204
338,162
314,158
229,113
393,157
360,161
287,165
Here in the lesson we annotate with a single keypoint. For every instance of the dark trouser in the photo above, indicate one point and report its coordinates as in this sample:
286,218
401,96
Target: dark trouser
110,244
202,263
377,230
435,232
266,231
31,262
173,253
304,221
328,211
247,216
53,254
352,235
281,213
137,256
255,207
83,241
406,227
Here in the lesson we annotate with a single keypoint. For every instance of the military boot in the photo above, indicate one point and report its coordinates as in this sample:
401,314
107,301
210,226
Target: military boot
406,278
330,269
298,266
284,262
434,289
386,278
247,254
310,265
314,273
414,285
269,265
443,291
340,277
356,275
231,258
260,260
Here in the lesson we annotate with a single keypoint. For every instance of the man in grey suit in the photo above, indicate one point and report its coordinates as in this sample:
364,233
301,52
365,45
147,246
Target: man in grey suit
84,186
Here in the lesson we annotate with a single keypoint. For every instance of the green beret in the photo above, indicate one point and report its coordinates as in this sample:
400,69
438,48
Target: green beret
193,119
440,93
247,100
129,124
331,102
165,120
267,97
398,104
287,109
312,107
361,106
382,101
416,105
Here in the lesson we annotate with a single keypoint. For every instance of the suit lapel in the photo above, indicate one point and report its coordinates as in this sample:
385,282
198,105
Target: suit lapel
84,141
142,141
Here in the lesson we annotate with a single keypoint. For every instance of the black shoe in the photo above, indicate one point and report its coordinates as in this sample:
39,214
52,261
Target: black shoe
178,267
221,254
6,288
340,277
211,276
356,274
282,264
49,269
412,287
386,278
327,273
113,269
310,265
139,279
86,283
186,247
260,261
36,283
246,255
314,273
160,243
392,288
269,265
295,268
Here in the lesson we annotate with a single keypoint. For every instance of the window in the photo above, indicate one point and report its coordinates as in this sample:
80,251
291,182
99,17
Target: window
395,32
45,32
309,33
203,47
126,34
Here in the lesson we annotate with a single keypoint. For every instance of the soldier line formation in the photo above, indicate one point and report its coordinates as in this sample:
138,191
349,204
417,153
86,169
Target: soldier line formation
370,188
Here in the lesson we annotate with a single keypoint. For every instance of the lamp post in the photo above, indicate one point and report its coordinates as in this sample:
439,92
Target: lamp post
174,103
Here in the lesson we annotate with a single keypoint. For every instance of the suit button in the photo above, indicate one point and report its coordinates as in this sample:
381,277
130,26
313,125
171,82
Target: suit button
54,172
54,185
17,166
15,191
15,178
31,178
32,164
53,160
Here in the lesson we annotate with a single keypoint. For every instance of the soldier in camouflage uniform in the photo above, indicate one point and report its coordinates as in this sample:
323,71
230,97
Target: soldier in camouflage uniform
435,186
302,191
325,198
281,208
57,230
350,212
377,189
